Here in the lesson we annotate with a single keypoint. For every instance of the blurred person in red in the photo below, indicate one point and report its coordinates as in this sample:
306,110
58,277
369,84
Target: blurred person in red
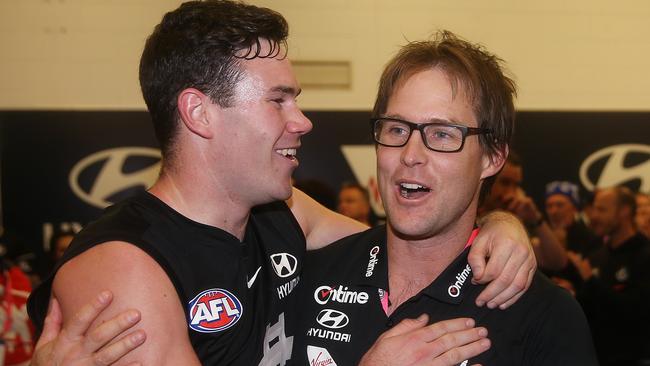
16,330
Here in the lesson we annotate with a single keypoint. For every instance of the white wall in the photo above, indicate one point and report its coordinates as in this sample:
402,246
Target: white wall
565,55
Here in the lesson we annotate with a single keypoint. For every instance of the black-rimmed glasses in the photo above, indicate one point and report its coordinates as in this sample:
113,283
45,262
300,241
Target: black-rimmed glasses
437,136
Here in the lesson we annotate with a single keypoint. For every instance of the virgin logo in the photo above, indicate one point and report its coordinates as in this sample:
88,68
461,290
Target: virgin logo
614,170
105,174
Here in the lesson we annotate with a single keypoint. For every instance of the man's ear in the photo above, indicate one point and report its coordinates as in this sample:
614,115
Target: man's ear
194,111
492,164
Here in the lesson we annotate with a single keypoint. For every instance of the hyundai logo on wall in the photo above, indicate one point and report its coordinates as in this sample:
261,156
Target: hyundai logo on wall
105,177
617,164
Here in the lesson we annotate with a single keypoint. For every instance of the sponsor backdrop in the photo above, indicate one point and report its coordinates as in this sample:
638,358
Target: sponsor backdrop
59,169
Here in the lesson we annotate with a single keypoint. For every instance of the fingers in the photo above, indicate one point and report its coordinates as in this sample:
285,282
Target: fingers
108,330
74,344
455,341
501,233
477,255
82,320
517,284
113,352
439,341
517,270
449,342
406,326
52,325
462,352
437,330
492,258
517,296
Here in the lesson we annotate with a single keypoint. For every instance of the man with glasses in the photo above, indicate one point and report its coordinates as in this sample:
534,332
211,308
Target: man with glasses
445,117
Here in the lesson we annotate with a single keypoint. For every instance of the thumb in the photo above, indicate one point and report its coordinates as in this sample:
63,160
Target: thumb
52,325
476,258
407,325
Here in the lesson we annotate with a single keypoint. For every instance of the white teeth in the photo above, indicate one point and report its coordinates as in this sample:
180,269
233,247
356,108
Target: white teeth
407,190
411,186
287,152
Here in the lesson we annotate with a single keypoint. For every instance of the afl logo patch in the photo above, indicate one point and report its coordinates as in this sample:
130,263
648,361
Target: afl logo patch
214,310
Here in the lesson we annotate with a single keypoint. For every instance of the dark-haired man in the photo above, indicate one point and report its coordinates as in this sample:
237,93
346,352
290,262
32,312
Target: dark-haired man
211,255
444,116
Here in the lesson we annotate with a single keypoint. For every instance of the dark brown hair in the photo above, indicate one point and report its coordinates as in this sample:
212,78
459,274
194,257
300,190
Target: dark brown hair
200,45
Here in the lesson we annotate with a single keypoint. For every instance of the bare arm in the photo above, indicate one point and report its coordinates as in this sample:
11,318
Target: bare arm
511,265
503,240
549,251
136,281
320,225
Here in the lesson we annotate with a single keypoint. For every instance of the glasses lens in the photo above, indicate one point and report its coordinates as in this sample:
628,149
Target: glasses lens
443,137
390,132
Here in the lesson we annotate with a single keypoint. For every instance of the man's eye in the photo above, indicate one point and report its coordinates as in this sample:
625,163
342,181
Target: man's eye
397,130
444,134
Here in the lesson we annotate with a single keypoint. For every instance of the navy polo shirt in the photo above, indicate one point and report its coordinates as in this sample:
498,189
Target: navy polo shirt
341,310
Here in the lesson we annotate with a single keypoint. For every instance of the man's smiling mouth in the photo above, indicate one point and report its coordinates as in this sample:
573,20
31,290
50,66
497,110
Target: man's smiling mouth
412,190
287,153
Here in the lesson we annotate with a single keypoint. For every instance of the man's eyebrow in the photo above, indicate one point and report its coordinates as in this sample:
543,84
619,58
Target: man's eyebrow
287,90
430,120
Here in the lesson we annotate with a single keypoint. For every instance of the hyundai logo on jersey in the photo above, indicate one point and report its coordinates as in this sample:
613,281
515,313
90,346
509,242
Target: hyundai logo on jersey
214,310
284,264
332,319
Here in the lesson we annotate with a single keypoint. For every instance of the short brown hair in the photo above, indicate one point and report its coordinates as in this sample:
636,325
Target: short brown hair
467,65
201,45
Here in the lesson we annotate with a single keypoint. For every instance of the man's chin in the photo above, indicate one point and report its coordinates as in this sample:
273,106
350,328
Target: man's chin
284,193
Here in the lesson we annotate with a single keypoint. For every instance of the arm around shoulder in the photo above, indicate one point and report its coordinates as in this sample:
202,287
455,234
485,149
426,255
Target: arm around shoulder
511,265
136,281
321,225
